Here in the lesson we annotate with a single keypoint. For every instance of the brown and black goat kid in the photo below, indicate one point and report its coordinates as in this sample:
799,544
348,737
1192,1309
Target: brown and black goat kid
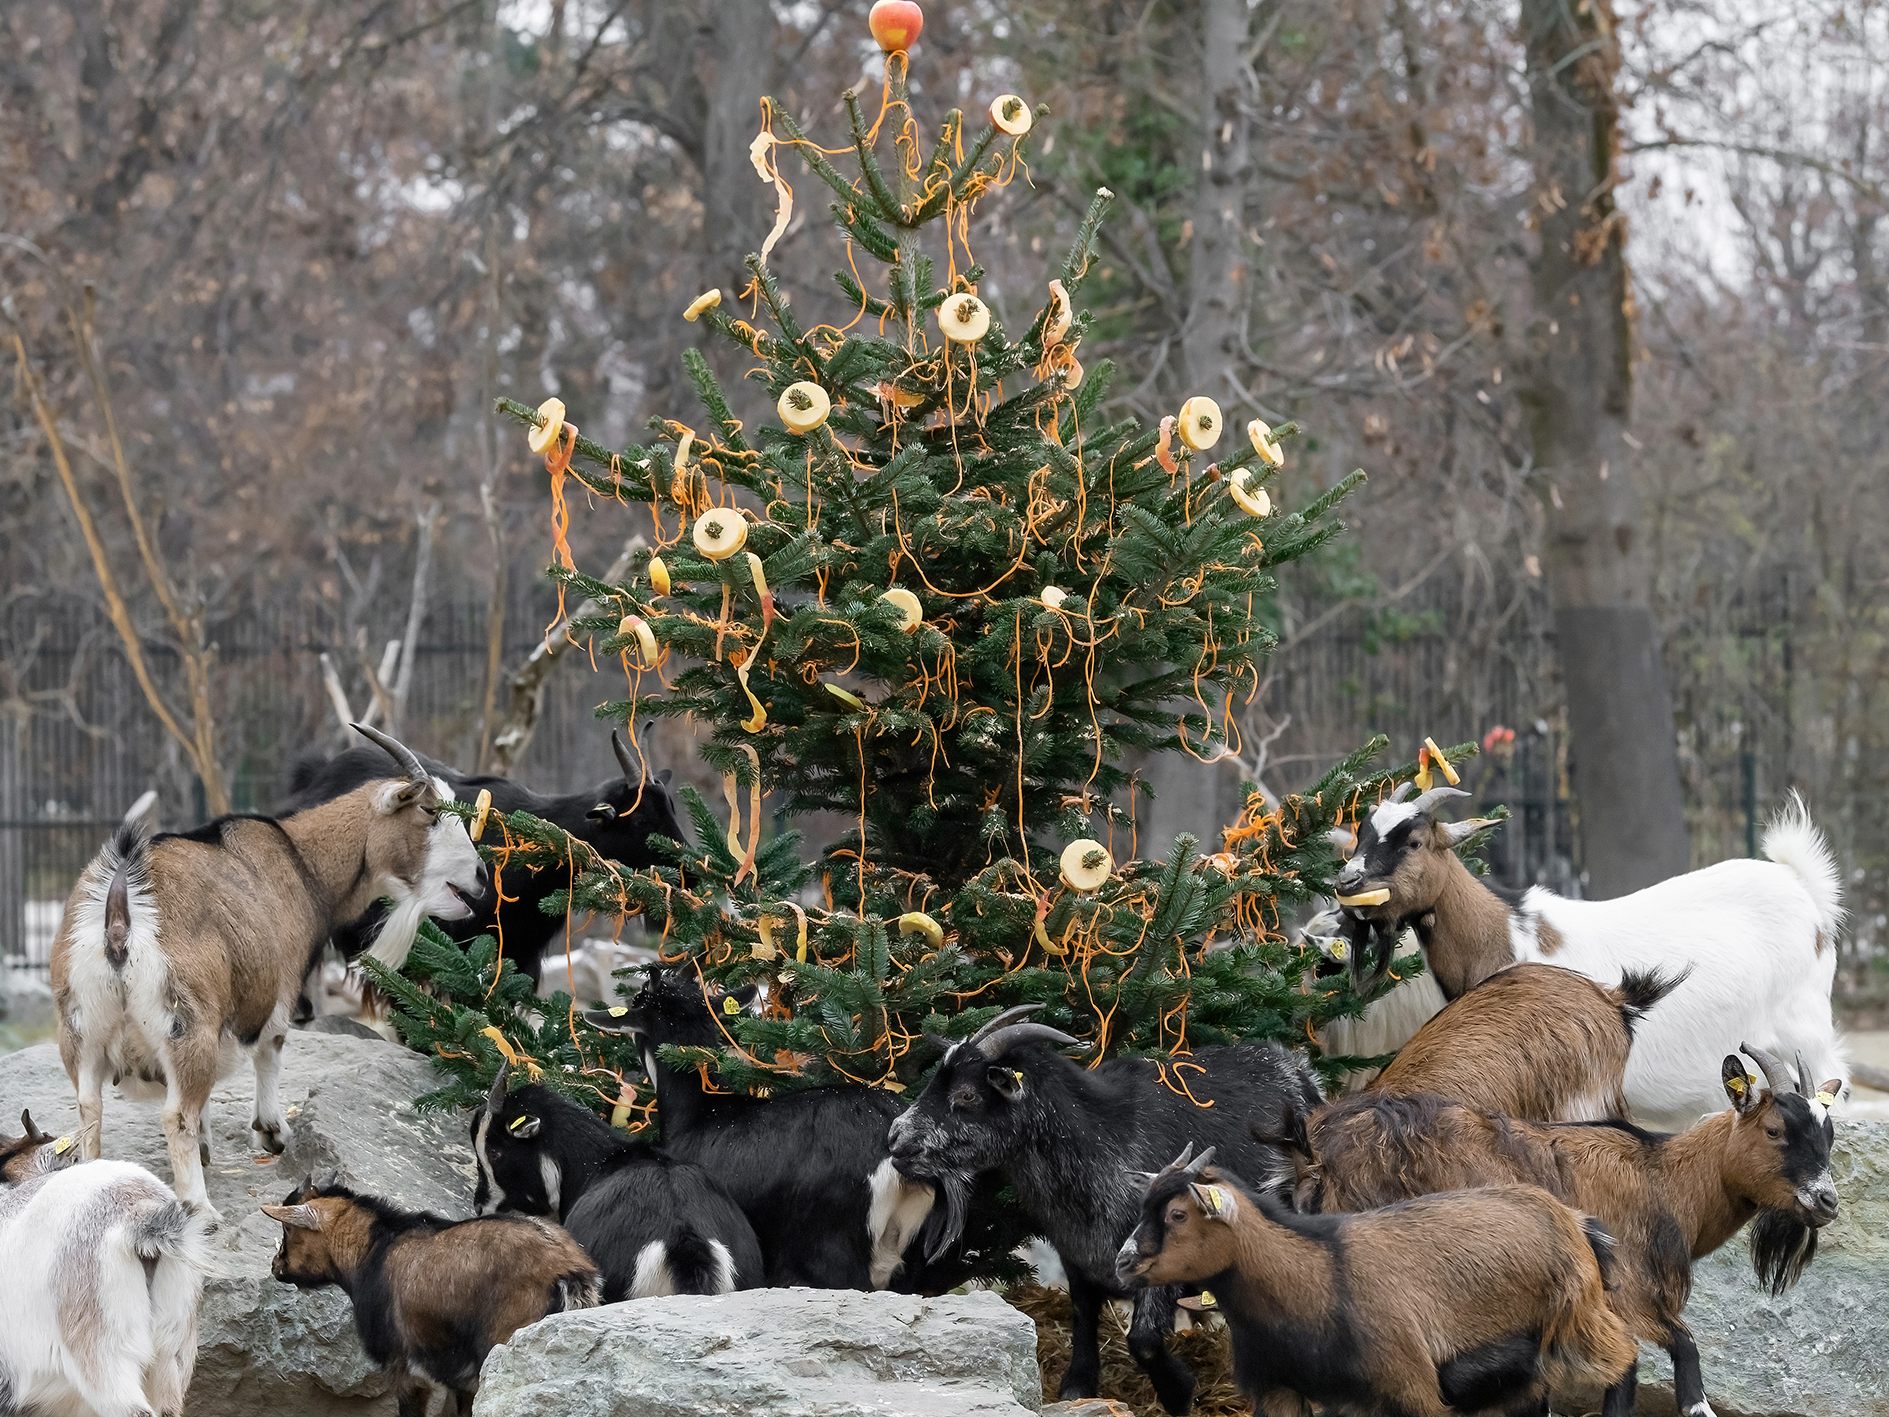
34,1153
1668,1200
431,1296
1467,1301
178,949
1534,1041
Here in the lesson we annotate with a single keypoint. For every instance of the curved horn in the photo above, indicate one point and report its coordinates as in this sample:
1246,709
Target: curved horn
1404,789
994,1045
409,760
1179,1163
496,1097
631,772
1775,1073
1436,797
30,1127
1199,1163
1004,1019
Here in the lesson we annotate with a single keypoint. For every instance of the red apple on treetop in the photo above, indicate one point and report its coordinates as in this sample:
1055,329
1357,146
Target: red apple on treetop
895,24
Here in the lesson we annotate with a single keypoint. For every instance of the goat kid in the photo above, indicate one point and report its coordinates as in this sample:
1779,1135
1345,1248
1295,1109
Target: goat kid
1075,1143
1668,1200
653,1224
431,1296
616,819
104,1269
33,1153
176,947
1534,1041
809,1168
1463,1301
1758,936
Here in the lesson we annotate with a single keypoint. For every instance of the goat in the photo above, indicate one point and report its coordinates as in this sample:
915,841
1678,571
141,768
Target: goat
1532,1040
809,1168
33,1153
1760,937
1460,1301
1070,1142
1668,1200
1388,1021
104,1269
175,946
431,1296
616,818
653,1224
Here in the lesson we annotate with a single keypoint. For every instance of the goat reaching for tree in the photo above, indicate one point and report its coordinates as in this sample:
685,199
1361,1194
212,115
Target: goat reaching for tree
1071,1141
1759,939
431,1296
104,1268
653,1224
1464,1301
177,947
1668,1200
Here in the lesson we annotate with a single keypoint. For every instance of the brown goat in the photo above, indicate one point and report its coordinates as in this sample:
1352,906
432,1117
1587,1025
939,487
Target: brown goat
34,1153
1668,1200
174,948
431,1296
1534,1041
1463,1301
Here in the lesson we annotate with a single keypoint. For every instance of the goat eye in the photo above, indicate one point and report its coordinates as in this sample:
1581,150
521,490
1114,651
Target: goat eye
1773,1132
1178,1215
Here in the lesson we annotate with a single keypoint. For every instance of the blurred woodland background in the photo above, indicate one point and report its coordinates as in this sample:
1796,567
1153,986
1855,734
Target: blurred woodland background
296,248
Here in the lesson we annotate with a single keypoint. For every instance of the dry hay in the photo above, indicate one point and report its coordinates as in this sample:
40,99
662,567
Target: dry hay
1203,1348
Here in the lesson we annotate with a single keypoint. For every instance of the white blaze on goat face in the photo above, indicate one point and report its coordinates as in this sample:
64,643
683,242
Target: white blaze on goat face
494,1193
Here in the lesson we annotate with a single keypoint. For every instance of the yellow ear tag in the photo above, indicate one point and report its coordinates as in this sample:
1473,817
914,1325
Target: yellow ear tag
1340,950
1212,1199
1828,1099
516,1123
1207,1301
1016,1076
730,1005
1752,1078
62,1146
618,1011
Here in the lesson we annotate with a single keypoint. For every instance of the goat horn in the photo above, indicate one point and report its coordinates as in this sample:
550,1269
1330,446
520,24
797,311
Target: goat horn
496,1097
995,1045
1179,1163
1007,1017
1404,789
631,773
1775,1072
33,1133
1199,1163
409,760
1434,798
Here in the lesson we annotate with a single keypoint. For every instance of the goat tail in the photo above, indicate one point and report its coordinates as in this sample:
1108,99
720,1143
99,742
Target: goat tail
1584,1343
173,1230
699,1264
125,865
577,1289
1640,989
1795,842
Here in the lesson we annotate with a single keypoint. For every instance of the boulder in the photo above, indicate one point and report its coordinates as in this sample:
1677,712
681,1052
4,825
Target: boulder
267,1347
1816,1351
771,1353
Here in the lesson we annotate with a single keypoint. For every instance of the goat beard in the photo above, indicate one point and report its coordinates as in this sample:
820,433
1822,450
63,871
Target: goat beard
944,1225
1782,1247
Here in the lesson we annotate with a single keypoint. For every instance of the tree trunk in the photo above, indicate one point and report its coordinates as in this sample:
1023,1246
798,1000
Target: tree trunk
1191,796
741,42
1620,714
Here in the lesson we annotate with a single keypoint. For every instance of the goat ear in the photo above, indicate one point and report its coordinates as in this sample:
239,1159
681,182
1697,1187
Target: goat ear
396,796
665,776
1007,1081
296,1217
1831,1089
602,812
1219,1203
1456,833
524,1127
616,1019
1740,1086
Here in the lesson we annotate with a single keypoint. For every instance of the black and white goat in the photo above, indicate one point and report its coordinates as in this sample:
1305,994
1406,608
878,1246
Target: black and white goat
1759,939
810,1168
1075,1145
177,948
103,1269
653,1224
616,818
431,1296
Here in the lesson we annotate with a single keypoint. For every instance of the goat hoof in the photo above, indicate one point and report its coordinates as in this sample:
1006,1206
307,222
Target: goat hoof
1076,1386
274,1140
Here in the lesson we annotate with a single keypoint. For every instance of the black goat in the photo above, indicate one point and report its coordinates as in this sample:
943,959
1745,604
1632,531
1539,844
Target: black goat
1075,1144
653,1224
616,818
809,1168
431,1296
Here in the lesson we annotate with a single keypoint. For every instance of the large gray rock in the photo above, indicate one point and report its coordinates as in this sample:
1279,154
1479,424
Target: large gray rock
268,1347
771,1353
1819,1350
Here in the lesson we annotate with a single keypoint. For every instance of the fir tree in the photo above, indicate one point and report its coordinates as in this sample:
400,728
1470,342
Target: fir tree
943,597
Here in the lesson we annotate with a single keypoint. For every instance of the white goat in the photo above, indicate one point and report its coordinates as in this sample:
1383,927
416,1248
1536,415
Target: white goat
176,949
103,1270
1759,938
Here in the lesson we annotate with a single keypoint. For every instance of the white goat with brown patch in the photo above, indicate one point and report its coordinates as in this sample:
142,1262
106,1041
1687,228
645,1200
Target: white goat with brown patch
177,948
1758,937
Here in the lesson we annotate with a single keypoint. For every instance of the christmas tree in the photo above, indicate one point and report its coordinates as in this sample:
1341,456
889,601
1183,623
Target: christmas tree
941,599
